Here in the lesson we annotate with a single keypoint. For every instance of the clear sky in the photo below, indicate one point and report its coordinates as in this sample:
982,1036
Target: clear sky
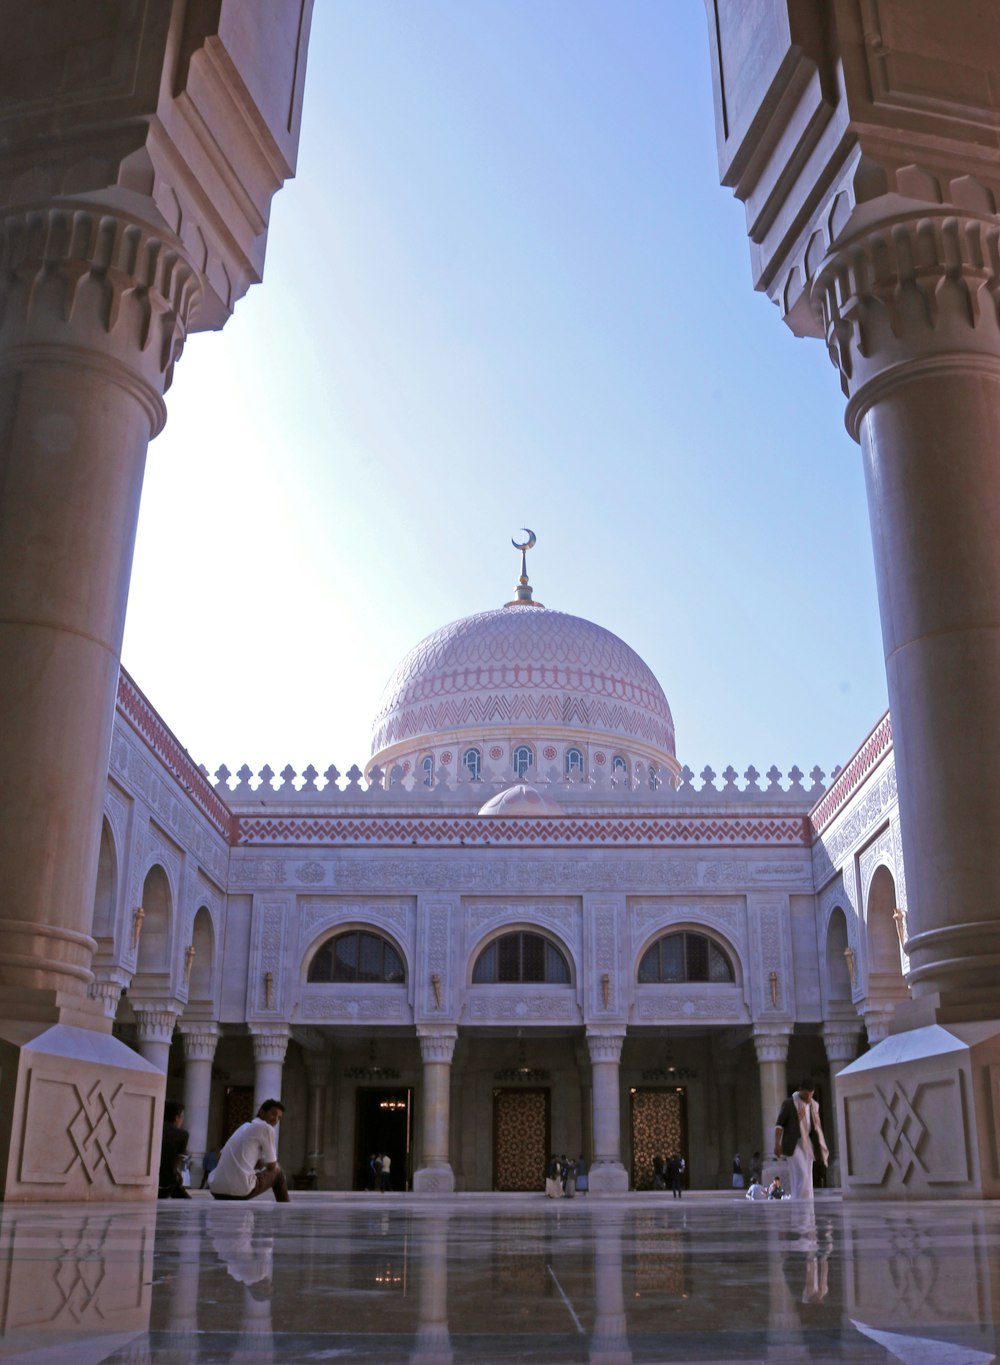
505,289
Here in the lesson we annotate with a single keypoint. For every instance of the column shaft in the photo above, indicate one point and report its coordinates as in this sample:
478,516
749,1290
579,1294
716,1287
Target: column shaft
435,1172
269,1061
607,1174
199,1041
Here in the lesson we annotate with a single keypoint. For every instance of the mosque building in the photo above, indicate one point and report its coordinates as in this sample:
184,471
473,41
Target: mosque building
525,927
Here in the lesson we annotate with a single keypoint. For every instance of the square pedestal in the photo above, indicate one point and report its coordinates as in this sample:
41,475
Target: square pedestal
434,1180
919,1115
81,1116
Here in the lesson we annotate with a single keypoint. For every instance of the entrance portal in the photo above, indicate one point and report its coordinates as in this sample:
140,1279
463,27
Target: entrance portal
520,1139
383,1125
659,1129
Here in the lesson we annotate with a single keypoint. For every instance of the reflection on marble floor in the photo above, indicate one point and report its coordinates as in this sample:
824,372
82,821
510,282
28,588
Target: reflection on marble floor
501,1279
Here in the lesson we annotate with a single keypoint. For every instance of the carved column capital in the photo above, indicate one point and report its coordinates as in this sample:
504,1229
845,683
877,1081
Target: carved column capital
877,1020
905,297
199,1040
270,1045
155,1020
95,290
841,1042
771,1047
107,987
437,1047
605,1047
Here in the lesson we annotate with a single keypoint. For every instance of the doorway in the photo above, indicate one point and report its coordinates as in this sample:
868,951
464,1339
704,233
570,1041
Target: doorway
659,1129
520,1139
383,1124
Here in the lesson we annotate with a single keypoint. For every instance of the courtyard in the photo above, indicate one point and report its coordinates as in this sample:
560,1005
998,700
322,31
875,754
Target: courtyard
501,1278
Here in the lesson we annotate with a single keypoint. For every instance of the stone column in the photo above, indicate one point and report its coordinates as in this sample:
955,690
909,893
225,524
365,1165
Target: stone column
269,1047
872,207
154,1029
436,1051
200,1041
607,1174
772,1062
318,1080
131,210
841,1043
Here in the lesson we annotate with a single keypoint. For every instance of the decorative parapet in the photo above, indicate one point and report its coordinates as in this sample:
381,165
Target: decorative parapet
453,787
632,830
851,778
174,757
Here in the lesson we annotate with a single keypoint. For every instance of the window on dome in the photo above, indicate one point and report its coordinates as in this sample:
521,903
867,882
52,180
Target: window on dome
521,957
619,768
428,768
574,762
473,761
682,957
654,778
357,957
523,759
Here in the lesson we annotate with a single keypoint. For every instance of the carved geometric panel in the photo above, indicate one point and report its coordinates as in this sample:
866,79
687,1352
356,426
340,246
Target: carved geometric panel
904,1132
85,1132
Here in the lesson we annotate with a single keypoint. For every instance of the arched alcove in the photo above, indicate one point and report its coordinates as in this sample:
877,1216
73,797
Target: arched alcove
886,982
154,937
200,982
839,988
105,893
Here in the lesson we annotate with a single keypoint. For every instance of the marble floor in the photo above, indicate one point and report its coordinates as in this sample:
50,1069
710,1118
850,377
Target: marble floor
500,1278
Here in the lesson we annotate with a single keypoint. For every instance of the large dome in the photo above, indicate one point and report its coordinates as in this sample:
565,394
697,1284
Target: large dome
519,670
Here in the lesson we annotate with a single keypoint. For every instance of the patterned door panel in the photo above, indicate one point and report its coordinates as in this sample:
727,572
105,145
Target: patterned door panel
658,1129
520,1139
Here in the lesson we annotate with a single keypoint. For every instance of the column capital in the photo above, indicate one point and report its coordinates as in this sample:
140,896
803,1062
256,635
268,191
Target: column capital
841,1042
199,1040
771,1046
437,1047
908,297
270,1044
155,1020
877,1020
98,291
605,1047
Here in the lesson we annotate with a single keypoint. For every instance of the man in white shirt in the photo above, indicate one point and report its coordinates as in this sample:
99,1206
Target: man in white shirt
248,1164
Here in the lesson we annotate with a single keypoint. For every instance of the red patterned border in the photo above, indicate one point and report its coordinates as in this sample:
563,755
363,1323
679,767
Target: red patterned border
138,712
590,832
872,751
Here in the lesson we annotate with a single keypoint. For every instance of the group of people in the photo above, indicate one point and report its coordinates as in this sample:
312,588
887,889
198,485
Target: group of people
669,1173
246,1166
566,1177
379,1172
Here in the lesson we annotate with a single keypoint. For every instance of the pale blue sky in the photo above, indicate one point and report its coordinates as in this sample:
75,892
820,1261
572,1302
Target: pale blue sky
505,289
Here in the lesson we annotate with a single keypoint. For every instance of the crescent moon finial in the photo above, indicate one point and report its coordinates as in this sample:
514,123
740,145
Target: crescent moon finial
523,597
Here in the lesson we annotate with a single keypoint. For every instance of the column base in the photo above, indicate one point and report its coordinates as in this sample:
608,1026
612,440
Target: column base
80,1116
609,1177
434,1180
918,1115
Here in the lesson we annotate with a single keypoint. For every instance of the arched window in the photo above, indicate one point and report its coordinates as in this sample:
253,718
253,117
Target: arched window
681,957
473,761
654,778
521,956
428,766
574,762
357,957
619,768
523,759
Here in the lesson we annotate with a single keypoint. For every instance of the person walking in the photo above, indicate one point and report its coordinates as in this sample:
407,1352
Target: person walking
386,1183
675,1174
737,1172
582,1175
798,1134
248,1164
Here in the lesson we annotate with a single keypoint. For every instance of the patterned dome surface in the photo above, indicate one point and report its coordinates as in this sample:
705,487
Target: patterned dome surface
528,666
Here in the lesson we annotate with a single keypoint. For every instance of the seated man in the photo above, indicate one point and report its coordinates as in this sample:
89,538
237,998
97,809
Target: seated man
774,1190
248,1164
172,1148
756,1191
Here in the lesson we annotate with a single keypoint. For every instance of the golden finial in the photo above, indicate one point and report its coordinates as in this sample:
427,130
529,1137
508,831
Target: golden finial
523,596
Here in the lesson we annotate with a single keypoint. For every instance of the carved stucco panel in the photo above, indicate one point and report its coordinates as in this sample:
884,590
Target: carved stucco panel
724,1004
485,1006
770,935
563,917
395,916
269,954
379,1003
438,918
